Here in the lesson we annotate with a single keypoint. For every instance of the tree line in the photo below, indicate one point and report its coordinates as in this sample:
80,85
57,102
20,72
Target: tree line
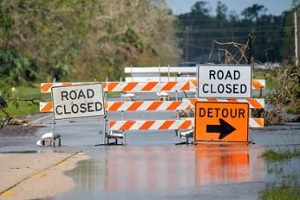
93,40
202,34
82,40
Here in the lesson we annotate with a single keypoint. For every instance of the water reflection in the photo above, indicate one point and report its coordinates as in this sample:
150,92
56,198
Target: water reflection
153,168
228,163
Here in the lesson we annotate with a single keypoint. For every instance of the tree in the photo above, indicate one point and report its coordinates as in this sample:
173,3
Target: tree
221,11
254,12
88,40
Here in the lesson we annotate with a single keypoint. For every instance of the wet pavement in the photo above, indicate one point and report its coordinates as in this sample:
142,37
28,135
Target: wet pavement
151,166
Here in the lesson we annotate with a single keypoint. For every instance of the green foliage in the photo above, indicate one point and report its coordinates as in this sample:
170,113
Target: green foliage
85,40
17,67
273,156
287,92
284,192
21,101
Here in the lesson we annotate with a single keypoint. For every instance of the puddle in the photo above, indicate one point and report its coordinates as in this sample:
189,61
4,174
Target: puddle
169,172
23,152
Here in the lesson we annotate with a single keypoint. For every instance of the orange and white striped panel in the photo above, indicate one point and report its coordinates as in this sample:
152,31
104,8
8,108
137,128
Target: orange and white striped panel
46,87
46,107
133,106
256,122
253,103
129,86
146,86
257,84
147,105
143,125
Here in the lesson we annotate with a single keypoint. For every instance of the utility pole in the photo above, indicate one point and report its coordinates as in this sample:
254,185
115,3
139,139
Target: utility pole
296,38
187,43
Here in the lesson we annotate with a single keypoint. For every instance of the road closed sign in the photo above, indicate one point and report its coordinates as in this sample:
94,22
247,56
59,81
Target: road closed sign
221,121
224,81
78,101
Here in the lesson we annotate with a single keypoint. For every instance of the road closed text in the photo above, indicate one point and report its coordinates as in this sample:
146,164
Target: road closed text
78,108
224,82
78,101
228,88
82,107
224,88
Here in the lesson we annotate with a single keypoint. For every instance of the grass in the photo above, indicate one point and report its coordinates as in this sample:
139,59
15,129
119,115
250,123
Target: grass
289,189
29,98
25,101
261,74
273,156
284,192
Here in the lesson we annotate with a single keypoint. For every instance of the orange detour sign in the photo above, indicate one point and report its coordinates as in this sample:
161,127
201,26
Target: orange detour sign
221,121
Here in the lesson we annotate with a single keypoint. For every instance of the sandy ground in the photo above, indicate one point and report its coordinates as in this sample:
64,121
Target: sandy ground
36,175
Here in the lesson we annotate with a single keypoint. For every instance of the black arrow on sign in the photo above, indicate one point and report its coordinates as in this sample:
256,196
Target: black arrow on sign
224,129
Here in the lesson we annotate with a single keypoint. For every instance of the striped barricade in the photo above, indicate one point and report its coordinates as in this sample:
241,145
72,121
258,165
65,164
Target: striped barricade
257,84
253,102
153,86
144,125
113,106
182,124
46,87
147,105
161,105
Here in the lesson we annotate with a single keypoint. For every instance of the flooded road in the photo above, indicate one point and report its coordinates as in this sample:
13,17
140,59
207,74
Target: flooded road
205,171
151,166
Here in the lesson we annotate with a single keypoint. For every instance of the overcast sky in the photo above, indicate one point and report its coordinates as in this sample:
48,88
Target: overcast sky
275,7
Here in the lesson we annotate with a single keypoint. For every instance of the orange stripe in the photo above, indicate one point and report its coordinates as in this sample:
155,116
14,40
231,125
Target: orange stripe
193,101
166,125
104,84
48,107
115,106
45,87
232,100
149,86
111,86
254,103
174,105
256,84
127,125
186,86
111,123
212,99
194,82
154,105
169,86
130,86
67,83
135,105
260,121
147,125
185,125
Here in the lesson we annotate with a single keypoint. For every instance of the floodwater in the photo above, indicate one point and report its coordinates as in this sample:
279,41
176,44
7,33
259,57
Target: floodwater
151,166
204,171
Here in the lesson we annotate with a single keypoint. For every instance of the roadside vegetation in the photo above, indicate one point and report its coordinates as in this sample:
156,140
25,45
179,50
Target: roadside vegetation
274,156
285,192
46,41
288,185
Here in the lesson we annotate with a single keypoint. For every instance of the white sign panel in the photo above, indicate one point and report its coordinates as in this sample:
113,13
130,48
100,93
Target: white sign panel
224,81
78,101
